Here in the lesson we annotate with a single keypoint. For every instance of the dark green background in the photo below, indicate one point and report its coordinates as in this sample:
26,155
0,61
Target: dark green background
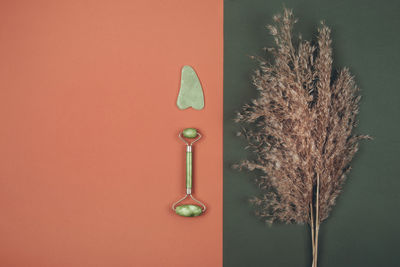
363,229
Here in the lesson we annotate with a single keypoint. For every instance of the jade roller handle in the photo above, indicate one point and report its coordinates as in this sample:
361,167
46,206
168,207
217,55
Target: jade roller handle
189,170
189,133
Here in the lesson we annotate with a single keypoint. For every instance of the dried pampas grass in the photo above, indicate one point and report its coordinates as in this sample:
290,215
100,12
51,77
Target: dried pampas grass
300,128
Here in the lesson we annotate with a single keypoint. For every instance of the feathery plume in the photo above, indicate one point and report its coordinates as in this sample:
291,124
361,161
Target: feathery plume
300,128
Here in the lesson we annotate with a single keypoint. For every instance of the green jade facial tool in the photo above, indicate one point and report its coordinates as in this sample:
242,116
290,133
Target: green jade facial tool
189,210
191,92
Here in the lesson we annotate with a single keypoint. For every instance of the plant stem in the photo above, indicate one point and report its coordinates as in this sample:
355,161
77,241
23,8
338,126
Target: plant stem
312,232
316,245
317,222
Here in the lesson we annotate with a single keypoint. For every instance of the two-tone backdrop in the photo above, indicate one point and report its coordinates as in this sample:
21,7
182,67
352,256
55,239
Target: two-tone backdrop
90,162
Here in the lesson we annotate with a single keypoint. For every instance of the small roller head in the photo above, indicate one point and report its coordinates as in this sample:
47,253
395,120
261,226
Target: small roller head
189,132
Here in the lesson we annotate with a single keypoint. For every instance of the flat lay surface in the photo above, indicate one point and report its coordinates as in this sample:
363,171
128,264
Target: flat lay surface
362,229
90,160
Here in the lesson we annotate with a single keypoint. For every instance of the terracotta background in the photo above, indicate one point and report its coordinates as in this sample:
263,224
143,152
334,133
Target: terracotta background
89,158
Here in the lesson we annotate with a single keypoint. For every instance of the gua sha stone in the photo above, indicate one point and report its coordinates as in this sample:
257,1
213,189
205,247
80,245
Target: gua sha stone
191,92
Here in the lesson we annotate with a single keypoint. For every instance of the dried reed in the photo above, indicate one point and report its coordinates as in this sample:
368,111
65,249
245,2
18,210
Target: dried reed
300,128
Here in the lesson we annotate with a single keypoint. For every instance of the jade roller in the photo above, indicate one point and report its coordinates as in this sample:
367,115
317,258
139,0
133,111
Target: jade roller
189,210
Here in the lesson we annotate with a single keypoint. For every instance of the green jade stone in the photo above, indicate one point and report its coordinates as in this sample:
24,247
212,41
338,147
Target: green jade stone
190,92
189,133
188,210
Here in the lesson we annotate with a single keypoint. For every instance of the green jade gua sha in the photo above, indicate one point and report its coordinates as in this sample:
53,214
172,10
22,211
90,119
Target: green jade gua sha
191,92
189,210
